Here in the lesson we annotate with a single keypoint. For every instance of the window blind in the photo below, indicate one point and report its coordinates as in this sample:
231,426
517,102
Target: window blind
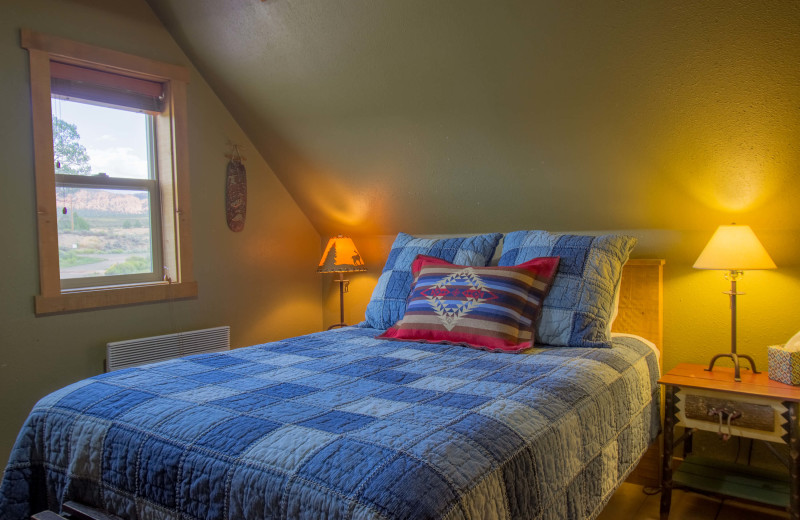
105,88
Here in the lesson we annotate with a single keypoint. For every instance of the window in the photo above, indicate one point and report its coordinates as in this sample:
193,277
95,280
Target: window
107,197
111,176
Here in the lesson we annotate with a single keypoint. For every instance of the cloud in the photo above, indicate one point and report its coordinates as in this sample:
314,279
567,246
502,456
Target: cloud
118,162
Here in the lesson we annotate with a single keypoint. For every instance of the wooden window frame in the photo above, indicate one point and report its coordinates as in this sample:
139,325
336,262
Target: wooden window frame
173,177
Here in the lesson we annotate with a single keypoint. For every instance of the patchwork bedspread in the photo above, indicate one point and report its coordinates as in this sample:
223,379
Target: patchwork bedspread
342,425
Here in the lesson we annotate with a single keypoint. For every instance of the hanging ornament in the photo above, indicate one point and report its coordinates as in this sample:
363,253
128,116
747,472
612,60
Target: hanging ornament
236,191
63,198
58,164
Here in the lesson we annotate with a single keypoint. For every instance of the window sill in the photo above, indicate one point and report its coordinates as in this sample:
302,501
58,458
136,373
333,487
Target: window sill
97,298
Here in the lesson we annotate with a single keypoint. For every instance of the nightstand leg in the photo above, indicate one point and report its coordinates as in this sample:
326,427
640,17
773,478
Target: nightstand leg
794,454
666,462
687,442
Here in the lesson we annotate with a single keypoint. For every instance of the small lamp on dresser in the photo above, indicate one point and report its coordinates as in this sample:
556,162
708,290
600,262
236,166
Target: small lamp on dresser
341,256
734,249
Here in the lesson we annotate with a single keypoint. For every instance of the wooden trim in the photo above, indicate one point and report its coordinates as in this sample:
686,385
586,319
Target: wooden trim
114,296
169,224
183,201
639,262
721,379
77,53
46,218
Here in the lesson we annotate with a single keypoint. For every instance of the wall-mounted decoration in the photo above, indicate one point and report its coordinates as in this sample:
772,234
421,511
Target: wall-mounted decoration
235,191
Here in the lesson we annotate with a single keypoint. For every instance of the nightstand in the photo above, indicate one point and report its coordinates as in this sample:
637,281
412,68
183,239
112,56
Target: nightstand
755,408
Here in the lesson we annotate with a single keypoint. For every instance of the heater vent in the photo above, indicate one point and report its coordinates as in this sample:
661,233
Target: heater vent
134,352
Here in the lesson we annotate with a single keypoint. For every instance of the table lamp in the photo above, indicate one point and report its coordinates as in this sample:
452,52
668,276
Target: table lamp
734,249
341,256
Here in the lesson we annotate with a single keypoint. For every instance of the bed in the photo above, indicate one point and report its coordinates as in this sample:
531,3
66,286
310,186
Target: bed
342,424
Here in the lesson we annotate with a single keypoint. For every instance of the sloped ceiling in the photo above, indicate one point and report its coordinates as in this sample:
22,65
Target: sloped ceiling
445,116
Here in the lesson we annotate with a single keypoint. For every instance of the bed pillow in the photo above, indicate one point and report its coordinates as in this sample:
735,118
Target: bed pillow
491,308
388,301
578,310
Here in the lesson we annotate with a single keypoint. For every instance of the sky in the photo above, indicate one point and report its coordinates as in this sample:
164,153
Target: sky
115,140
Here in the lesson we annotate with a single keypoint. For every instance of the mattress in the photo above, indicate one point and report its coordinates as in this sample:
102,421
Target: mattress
342,425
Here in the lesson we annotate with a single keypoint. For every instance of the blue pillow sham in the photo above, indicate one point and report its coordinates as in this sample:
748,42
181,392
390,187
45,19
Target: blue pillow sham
388,302
578,310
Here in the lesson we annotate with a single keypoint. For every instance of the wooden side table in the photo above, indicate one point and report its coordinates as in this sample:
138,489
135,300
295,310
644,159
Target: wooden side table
755,408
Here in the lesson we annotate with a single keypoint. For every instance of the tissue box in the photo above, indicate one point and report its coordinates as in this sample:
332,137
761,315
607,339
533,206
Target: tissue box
784,366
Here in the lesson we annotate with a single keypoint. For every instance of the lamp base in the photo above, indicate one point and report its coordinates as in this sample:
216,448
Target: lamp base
735,357
343,285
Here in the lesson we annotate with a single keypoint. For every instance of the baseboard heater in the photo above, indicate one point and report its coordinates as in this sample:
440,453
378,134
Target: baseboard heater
134,352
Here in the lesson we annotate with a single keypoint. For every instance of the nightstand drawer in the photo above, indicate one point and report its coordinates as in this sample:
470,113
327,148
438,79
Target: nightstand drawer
741,415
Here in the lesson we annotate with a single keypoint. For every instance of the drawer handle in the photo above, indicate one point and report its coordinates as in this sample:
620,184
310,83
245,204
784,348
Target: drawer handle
723,415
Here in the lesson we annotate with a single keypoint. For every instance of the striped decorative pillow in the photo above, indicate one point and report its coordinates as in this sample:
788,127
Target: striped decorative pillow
491,308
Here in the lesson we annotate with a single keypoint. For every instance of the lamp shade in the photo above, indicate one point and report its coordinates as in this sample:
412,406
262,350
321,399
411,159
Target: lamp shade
734,248
340,256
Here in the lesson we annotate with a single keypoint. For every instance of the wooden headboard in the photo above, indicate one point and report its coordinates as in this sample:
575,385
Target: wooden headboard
641,312
641,300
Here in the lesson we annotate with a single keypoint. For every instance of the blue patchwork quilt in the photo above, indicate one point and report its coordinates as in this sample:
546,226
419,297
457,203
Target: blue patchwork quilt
342,425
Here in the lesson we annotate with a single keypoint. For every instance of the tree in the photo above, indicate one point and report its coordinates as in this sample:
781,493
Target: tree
131,265
73,222
69,156
68,153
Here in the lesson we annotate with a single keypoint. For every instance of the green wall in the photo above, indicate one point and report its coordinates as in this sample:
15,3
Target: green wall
456,116
261,281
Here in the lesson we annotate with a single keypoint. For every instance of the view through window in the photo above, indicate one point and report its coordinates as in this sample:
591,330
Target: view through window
106,194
